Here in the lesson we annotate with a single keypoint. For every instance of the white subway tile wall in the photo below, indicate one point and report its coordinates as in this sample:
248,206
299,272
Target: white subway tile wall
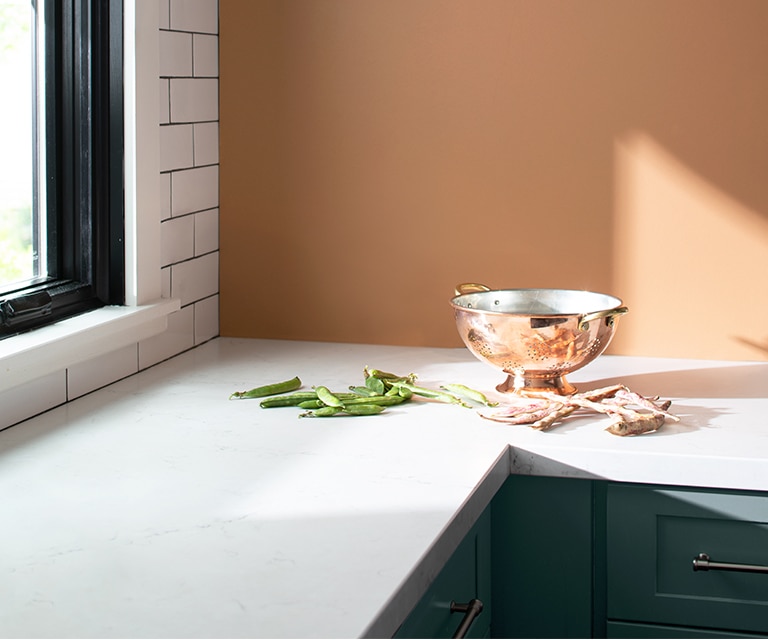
164,103
118,364
165,196
188,139
34,397
177,338
207,232
189,175
206,142
196,16
175,54
205,55
194,99
176,146
196,279
194,189
164,14
177,240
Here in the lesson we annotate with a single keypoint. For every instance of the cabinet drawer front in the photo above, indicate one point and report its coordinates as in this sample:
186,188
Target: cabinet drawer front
654,535
465,576
635,630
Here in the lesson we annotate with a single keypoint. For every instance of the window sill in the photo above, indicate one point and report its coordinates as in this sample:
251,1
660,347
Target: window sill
66,343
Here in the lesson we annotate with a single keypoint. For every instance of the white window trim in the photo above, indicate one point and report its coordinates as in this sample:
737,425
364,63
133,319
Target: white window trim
58,346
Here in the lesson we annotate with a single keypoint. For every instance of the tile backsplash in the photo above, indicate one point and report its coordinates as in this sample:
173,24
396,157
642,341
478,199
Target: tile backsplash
188,142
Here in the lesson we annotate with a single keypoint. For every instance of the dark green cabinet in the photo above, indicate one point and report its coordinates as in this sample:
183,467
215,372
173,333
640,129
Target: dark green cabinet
528,559
542,557
465,578
641,630
653,536
577,558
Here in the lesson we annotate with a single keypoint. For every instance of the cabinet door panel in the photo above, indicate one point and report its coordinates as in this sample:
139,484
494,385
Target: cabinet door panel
655,533
464,577
739,541
542,558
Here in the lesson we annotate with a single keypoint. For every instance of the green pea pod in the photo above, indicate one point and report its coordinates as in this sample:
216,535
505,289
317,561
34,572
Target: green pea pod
468,393
380,400
376,385
363,409
378,373
345,395
363,391
440,396
311,404
289,400
404,392
387,377
328,398
268,389
322,412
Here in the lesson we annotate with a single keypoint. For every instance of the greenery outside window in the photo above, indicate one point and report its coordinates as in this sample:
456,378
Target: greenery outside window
61,169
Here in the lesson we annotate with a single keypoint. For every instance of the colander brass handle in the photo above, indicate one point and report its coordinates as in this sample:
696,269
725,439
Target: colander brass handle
605,313
470,287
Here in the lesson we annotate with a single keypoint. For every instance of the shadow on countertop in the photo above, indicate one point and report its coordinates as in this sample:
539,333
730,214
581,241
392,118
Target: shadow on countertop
729,381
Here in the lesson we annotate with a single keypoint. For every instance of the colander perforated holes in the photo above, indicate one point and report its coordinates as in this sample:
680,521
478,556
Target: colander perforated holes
513,366
594,345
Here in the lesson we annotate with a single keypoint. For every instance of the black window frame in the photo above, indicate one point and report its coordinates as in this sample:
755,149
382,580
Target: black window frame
84,172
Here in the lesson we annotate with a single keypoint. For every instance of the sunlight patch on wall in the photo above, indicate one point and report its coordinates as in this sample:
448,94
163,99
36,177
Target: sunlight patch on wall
690,260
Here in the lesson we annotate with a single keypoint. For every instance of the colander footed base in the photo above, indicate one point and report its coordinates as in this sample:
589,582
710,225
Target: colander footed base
516,383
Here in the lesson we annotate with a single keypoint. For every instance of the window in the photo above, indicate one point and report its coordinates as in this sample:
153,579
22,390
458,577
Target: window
61,190
16,130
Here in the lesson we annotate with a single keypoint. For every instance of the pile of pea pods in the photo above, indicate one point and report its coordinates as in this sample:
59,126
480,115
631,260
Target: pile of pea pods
379,391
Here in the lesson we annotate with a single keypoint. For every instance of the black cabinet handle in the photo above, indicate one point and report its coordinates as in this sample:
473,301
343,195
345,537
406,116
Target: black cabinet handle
471,610
702,562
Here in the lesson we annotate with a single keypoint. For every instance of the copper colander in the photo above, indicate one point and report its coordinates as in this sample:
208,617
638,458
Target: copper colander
535,336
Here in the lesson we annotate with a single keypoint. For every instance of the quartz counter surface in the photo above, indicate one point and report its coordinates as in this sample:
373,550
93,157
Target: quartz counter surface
156,507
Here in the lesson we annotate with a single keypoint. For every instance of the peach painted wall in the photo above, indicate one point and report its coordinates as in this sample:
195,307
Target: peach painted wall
374,154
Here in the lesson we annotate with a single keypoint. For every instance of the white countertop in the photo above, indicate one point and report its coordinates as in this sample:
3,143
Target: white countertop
156,507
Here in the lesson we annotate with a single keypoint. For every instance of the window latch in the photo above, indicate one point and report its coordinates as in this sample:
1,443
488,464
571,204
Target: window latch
24,308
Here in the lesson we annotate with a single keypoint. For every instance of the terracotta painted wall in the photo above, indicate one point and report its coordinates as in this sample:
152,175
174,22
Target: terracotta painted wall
374,154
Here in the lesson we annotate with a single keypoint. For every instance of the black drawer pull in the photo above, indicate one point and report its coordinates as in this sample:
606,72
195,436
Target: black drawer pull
702,562
471,610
